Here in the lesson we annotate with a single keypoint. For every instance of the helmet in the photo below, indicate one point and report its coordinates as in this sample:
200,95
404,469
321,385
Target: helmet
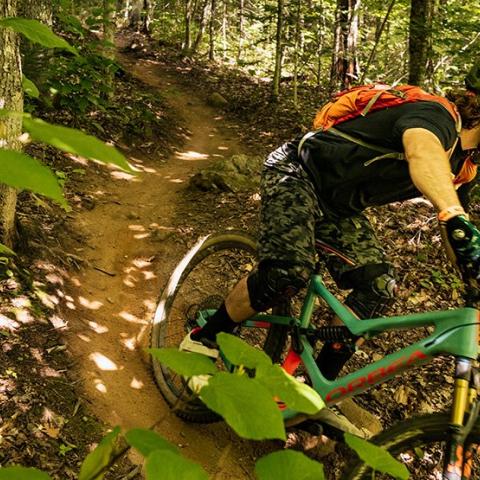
472,80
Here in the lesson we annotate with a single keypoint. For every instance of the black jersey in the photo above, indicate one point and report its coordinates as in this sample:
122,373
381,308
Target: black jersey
345,178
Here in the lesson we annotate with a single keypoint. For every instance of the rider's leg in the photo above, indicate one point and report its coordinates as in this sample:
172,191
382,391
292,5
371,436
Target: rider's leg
369,274
288,215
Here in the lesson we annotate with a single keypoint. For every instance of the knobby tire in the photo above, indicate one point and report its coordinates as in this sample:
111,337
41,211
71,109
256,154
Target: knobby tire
220,248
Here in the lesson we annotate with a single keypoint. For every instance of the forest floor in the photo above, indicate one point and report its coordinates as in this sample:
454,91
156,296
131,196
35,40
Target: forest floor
109,259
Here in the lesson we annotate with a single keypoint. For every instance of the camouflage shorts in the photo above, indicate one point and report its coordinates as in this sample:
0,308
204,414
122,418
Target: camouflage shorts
291,219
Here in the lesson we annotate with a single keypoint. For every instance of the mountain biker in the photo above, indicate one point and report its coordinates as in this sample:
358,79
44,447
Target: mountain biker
320,191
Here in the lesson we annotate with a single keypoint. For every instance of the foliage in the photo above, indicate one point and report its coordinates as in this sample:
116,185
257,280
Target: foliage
23,172
377,458
287,464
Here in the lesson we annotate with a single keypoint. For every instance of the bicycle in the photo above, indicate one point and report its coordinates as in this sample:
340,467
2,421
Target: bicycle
420,441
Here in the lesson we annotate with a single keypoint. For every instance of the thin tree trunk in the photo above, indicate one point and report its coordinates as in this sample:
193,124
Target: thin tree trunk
211,49
295,52
278,51
147,14
109,28
201,27
11,98
224,30
344,60
419,39
378,35
241,29
187,39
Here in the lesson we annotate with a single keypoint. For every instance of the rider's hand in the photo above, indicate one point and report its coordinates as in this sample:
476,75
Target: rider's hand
462,240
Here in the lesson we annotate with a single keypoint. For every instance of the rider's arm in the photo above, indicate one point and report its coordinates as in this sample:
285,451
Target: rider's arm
429,167
430,172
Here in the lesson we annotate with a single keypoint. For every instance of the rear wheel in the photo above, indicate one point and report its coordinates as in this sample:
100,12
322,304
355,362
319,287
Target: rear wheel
201,280
419,443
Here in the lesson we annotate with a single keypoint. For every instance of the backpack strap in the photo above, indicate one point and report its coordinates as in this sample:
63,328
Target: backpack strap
385,152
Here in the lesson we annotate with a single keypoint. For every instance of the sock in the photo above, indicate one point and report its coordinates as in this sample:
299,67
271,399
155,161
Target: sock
220,321
332,358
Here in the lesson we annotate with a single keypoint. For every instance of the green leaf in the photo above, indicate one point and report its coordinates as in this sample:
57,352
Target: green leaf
166,465
147,441
5,250
37,32
245,404
74,141
187,364
29,87
377,458
240,353
97,460
298,396
22,473
287,465
21,171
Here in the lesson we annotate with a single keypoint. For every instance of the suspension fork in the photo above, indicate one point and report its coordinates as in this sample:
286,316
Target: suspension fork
465,409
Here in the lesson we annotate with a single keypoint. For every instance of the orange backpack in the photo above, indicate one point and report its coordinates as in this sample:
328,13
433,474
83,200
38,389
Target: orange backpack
359,101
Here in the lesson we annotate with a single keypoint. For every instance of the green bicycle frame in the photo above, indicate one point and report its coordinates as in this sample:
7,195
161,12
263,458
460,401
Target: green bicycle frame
455,333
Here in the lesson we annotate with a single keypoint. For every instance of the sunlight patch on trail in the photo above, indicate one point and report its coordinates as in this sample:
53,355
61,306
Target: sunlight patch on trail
90,304
100,386
191,155
131,318
136,384
103,362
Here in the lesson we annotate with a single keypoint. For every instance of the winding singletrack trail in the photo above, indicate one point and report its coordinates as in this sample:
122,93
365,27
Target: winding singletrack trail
128,261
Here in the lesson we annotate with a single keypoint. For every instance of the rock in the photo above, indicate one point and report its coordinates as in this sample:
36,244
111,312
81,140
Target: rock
216,100
234,174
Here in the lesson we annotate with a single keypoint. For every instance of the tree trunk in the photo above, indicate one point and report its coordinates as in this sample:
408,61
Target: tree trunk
109,28
211,49
241,29
201,27
187,41
147,14
135,14
419,39
278,51
344,61
11,98
224,30
296,47
378,35
40,10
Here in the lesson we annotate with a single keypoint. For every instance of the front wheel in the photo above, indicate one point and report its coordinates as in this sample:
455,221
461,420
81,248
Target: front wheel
202,279
419,443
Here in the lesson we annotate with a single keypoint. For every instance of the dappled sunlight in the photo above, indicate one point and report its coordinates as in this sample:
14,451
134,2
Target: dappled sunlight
84,337
91,305
223,148
141,236
136,228
77,159
49,372
8,324
191,155
97,328
103,362
100,386
23,315
136,384
130,281
148,275
58,322
119,175
129,343
131,318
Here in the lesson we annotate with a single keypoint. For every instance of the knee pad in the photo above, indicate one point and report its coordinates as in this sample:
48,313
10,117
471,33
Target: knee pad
374,289
274,281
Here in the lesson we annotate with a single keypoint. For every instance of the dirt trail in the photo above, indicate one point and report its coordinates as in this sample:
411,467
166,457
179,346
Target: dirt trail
108,312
